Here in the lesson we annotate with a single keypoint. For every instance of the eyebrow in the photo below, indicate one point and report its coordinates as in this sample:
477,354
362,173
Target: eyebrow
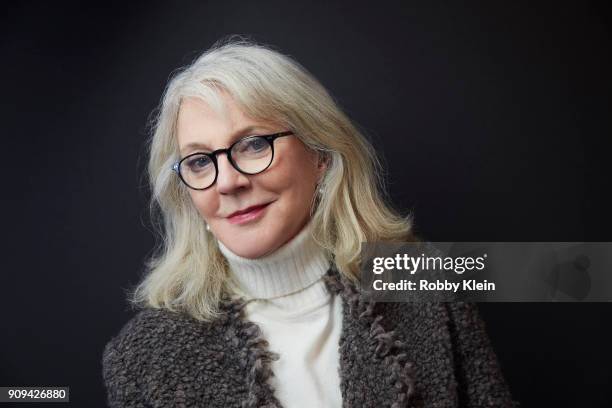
238,134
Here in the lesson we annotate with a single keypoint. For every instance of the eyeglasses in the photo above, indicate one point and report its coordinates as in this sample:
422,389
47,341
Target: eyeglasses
249,155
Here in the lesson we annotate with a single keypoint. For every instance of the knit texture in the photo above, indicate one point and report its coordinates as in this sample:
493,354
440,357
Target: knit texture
298,316
294,266
391,355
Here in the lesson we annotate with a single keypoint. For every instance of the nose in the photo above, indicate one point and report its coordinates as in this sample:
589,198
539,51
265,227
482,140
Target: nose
229,179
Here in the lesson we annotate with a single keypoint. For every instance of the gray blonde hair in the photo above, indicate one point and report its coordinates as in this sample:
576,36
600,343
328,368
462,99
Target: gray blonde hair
187,272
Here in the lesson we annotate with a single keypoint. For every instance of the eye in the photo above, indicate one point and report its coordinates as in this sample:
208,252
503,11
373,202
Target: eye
254,145
198,163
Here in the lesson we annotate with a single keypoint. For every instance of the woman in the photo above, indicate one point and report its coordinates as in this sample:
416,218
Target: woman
266,191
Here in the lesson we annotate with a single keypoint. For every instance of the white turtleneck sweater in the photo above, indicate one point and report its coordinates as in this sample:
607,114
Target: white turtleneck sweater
299,317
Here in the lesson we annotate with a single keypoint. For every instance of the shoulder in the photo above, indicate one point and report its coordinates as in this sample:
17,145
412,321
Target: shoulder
437,327
156,333
148,323
151,328
151,347
439,319
448,341
135,338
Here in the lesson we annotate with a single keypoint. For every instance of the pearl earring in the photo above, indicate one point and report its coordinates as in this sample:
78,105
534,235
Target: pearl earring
207,227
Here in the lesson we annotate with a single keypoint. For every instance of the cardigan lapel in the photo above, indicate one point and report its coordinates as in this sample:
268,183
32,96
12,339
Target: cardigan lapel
258,357
374,369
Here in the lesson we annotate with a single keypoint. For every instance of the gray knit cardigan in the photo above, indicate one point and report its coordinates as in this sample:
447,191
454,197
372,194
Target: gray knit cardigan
391,355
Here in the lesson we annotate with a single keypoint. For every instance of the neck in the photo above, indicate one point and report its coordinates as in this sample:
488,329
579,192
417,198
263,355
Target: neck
297,264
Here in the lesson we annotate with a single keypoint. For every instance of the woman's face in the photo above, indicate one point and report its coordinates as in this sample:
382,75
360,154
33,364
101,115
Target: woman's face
286,188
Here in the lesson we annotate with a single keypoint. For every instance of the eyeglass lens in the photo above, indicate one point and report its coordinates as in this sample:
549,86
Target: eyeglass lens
251,155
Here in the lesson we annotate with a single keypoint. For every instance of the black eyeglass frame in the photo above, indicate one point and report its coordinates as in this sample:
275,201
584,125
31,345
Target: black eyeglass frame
213,156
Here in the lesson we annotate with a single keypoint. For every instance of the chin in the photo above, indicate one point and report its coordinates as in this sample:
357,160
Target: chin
249,245
250,252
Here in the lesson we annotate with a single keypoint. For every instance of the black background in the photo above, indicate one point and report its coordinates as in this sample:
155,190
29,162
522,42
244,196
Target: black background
492,120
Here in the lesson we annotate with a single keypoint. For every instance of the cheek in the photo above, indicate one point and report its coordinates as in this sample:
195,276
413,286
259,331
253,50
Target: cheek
295,207
205,203
292,180
295,183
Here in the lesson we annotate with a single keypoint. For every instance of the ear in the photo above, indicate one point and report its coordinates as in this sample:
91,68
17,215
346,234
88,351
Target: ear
322,164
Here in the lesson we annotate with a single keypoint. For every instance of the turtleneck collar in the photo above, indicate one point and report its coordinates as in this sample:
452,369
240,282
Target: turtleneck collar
297,264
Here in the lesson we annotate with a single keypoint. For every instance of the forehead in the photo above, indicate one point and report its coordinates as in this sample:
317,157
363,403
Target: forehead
214,125
220,112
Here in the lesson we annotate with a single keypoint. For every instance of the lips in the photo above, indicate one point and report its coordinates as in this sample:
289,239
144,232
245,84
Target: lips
247,210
